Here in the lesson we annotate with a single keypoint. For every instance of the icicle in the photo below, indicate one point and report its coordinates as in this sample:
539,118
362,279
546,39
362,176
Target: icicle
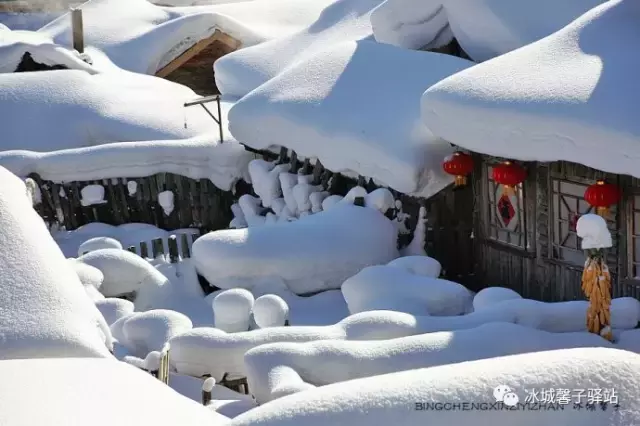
416,246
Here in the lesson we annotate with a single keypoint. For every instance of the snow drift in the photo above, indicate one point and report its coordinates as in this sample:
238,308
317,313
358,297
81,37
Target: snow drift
312,254
281,369
44,310
324,107
413,397
569,96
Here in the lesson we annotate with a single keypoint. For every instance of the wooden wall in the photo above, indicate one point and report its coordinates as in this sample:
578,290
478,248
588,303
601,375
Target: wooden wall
543,268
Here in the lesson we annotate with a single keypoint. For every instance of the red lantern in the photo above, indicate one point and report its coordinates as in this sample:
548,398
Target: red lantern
509,175
602,195
459,165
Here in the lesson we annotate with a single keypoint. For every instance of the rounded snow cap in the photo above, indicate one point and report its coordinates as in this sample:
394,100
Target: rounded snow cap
209,384
270,310
98,243
232,307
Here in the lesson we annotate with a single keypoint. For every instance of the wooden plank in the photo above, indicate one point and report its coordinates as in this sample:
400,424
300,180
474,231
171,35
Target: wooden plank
174,255
184,243
77,30
198,47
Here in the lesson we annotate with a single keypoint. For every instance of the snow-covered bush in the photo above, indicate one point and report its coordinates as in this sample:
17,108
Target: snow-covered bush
487,297
149,331
232,310
388,287
280,369
310,255
98,243
112,309
270,310
418,397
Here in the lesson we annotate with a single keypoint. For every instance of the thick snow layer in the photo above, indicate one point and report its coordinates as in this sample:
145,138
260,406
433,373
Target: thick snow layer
111,124
88,275
325,362
92,391
394,398
593,231
142,37
341,20
315,253
388,287
489,296
629,341
211,351
232,310
566,97
150,331
124,272
27,21
112,309
98,243
270,310
128,234
483,28
323,107
44,310
14,44
418,265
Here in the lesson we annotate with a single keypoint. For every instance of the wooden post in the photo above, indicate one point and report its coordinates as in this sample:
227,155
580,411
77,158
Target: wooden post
77,30
174,256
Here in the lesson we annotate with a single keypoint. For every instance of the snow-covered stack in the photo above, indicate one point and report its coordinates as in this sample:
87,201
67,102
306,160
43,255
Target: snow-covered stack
232,310
284,197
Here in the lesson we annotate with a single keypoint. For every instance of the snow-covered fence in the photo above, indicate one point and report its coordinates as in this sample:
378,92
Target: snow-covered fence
191,204
177,246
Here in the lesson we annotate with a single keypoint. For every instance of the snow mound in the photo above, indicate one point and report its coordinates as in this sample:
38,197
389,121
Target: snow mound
341,20
113,309
211,351
87,274
566,97
270,310
149,331
111,124
483,28
79,391
326,362
312,254
232,310
97,244
324,107
124,272
410,398
629,341
14,44
487,297
142,37
418,265
44,310
385,287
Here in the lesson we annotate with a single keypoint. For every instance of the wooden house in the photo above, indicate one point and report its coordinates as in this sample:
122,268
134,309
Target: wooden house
194,67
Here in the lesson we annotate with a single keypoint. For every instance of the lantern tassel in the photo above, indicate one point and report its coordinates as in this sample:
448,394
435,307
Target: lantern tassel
602,211
460,180
508,190
596,285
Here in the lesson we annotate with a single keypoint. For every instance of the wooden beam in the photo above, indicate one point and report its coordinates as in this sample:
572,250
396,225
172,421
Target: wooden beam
218,35
77,30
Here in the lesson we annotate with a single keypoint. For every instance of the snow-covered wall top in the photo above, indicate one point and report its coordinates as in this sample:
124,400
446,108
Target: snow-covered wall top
484,28
571,96
44,310
79,115
353,106
142,37
341,20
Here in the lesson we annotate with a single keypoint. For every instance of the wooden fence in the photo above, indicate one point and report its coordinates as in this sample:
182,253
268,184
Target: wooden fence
197,203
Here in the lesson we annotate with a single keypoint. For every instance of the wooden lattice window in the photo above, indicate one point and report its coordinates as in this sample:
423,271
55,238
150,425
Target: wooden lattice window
634,244
568,205
505,213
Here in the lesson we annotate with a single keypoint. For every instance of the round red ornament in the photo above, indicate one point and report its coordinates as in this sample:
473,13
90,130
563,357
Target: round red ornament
602,196
509,175
460,165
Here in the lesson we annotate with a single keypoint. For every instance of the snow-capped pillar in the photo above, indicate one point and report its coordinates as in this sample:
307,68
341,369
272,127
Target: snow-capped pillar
417,244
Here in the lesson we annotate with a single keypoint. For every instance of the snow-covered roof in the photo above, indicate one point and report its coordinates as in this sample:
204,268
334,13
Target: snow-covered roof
353,106
111,124
341,20
142,37
44,310
572,96
92,392
483,28
427,396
